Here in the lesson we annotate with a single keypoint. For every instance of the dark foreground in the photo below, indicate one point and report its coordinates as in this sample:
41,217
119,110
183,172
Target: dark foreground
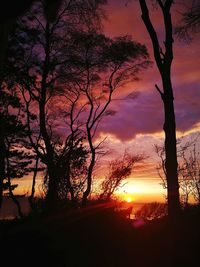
97,236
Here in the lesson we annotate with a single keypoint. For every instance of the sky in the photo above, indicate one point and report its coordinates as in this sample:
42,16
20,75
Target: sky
137,124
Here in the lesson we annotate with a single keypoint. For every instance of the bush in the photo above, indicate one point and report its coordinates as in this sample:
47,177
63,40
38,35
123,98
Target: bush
151,211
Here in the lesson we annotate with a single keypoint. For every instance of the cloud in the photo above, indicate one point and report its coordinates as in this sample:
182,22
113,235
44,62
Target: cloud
144,115
141,115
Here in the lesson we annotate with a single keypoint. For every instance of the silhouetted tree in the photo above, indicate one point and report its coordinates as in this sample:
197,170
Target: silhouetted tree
40,58
190,174
190,21
49,60
152,211
73,172
16,157
188,169
103,65
119,170
10,11
7,125
35,170
164,60
2,157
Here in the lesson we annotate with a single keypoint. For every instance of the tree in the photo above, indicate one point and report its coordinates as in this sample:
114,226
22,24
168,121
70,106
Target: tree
40,59
152,211
16,157
8,17
190,21
190,173
103,65
119,169
188,169
72,179
70,61
164,60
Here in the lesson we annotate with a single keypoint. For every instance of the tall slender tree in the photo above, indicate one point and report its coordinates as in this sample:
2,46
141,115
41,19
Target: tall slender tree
104,65
15,155
40,58
71,60
164,58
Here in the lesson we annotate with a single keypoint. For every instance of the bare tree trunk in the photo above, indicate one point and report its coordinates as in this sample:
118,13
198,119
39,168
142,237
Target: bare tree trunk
68,167
52,194
3,45
89,178
33,183
52,197
14,199
2,162
69,184
164,60
171,163
92,163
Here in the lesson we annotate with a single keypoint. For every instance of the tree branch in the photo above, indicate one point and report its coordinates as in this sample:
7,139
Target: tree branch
152,33
160,92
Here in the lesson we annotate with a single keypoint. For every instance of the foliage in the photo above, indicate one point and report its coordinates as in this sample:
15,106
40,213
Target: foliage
119,169
40,64
188,169
71,172
16,156
15,133
151,211
103,65
189,24
66,72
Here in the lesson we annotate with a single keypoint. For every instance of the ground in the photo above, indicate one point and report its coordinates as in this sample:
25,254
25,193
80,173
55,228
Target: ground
97,236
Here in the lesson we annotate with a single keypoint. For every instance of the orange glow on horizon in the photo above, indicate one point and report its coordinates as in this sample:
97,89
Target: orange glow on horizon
129,199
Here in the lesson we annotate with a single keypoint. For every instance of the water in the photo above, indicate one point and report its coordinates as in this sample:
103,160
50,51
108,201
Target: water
9,209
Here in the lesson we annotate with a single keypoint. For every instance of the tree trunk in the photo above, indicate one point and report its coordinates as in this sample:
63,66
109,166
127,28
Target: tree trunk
14,199
69,186
163,61
3,41
33,183
89,179
51,197
52,194
2,163
171,163
2,159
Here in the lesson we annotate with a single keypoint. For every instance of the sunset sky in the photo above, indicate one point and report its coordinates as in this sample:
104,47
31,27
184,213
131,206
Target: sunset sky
137,124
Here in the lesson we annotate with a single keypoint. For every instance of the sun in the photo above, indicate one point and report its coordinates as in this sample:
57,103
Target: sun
129,199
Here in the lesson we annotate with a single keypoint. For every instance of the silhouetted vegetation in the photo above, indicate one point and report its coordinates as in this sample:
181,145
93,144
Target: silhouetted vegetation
100,236
188,169
189,24
16,156
76,65
59,74
119,170
152,211
163,58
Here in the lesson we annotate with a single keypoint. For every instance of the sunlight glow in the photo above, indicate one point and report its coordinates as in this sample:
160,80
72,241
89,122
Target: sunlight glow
129,199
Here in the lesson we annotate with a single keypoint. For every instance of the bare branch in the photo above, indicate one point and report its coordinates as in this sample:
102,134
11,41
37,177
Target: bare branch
160,92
